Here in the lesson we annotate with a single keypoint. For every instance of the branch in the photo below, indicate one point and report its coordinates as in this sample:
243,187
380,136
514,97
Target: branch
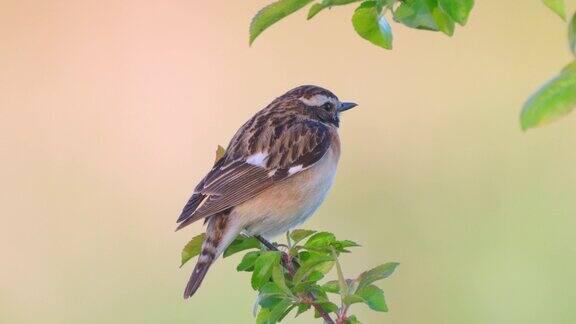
291,267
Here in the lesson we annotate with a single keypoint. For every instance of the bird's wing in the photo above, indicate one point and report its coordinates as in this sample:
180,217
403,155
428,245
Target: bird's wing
233,179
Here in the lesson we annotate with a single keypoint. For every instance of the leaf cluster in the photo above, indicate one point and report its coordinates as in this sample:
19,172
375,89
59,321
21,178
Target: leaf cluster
293,280
369,19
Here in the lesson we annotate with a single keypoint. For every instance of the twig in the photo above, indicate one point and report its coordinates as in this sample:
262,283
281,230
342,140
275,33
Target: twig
292,266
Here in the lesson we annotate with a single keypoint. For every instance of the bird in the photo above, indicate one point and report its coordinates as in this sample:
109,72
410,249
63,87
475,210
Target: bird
275,172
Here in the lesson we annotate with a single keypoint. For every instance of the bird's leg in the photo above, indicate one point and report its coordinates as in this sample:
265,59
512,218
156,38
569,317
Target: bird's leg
267,244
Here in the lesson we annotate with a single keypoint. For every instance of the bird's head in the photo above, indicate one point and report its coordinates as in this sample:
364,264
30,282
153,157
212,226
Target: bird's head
316,103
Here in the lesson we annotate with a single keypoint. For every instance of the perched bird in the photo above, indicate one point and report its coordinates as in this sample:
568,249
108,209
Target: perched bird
276,171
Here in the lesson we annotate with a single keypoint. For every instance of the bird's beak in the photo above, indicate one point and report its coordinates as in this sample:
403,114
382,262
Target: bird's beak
346,105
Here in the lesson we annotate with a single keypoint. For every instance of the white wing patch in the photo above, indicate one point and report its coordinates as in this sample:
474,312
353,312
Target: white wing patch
258,159
295,169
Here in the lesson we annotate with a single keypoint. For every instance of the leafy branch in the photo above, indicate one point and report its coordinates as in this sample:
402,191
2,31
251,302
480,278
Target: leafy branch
371,22
369,19
290,279
557,97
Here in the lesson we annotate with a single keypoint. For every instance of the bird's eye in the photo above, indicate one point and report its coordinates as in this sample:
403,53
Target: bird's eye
327,106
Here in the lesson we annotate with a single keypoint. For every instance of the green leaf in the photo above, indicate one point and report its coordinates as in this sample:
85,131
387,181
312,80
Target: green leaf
192,249
317,7
557,6
263,315
332,286
444,23
278,278
417,14
302,256
315,276
572,34
247,263
371,25
219,153
242,243
307,287
300,234
373,297
263,267
302,308
348,243
552,101
309,265
352,299
352,320
458,10
278,310
286,312
380,272
320,240
323,268
269,300
272,13
341,246
270,294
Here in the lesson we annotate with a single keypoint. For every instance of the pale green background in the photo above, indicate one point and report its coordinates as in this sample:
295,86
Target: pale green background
110,112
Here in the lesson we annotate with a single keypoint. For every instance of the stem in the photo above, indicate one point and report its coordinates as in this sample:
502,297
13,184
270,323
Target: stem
292,266
341,317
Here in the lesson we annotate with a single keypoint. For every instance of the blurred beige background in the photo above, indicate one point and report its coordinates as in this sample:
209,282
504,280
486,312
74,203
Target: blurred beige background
110,112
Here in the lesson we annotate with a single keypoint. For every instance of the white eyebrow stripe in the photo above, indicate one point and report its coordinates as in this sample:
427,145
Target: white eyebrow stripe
316,100
295,169
258,159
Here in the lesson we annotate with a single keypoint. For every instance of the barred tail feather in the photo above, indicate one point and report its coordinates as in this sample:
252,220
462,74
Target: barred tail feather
198,275
219,234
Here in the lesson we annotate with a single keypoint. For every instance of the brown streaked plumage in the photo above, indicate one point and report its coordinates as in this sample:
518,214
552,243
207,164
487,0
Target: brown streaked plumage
275,172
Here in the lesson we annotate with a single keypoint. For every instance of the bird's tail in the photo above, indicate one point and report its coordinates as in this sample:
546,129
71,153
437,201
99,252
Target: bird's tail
219,234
